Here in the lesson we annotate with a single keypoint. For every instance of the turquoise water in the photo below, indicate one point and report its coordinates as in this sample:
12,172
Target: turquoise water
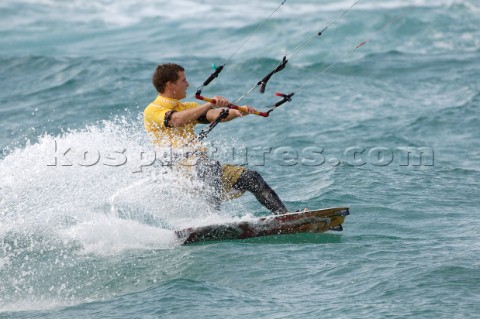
390,130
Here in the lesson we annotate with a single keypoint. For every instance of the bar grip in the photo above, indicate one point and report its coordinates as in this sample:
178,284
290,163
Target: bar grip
231,106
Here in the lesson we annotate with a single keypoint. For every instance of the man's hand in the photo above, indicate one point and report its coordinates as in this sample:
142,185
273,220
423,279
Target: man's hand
249,110
246,109
221,101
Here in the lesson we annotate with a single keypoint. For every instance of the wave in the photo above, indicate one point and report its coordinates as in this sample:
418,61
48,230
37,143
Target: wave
147,29
128,13
447,118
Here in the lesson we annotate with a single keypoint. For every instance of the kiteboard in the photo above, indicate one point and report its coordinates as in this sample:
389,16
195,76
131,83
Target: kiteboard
306,221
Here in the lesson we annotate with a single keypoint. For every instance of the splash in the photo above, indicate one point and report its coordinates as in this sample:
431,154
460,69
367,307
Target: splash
106,174
80,200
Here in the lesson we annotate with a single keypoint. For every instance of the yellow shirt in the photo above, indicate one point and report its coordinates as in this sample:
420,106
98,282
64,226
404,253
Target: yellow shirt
154,121
184,137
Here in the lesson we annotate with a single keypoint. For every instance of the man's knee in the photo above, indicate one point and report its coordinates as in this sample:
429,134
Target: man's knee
250,180
251,175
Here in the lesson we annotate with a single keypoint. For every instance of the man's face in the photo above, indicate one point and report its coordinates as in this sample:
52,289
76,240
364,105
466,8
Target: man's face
180,86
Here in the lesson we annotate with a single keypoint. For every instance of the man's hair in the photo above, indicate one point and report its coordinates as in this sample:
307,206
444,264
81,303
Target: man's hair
164,73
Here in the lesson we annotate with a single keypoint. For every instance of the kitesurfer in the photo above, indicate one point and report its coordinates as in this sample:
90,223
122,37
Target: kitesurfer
171,123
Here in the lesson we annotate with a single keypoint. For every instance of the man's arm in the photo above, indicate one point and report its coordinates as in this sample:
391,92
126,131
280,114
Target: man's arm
185,117
212,115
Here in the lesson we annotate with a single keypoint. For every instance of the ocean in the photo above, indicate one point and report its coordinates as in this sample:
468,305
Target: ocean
389,129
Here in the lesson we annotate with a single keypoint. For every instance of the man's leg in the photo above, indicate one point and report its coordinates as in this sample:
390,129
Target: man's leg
210,173
252,181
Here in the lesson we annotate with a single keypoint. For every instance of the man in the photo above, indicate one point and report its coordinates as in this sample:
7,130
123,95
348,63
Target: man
171,123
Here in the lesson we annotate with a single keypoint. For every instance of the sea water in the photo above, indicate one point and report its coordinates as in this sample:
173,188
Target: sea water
390,129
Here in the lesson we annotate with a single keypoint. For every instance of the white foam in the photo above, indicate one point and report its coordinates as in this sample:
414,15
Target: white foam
86,199
67,211
109,235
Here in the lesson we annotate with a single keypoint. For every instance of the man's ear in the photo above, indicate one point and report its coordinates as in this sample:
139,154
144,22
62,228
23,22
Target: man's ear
168,86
